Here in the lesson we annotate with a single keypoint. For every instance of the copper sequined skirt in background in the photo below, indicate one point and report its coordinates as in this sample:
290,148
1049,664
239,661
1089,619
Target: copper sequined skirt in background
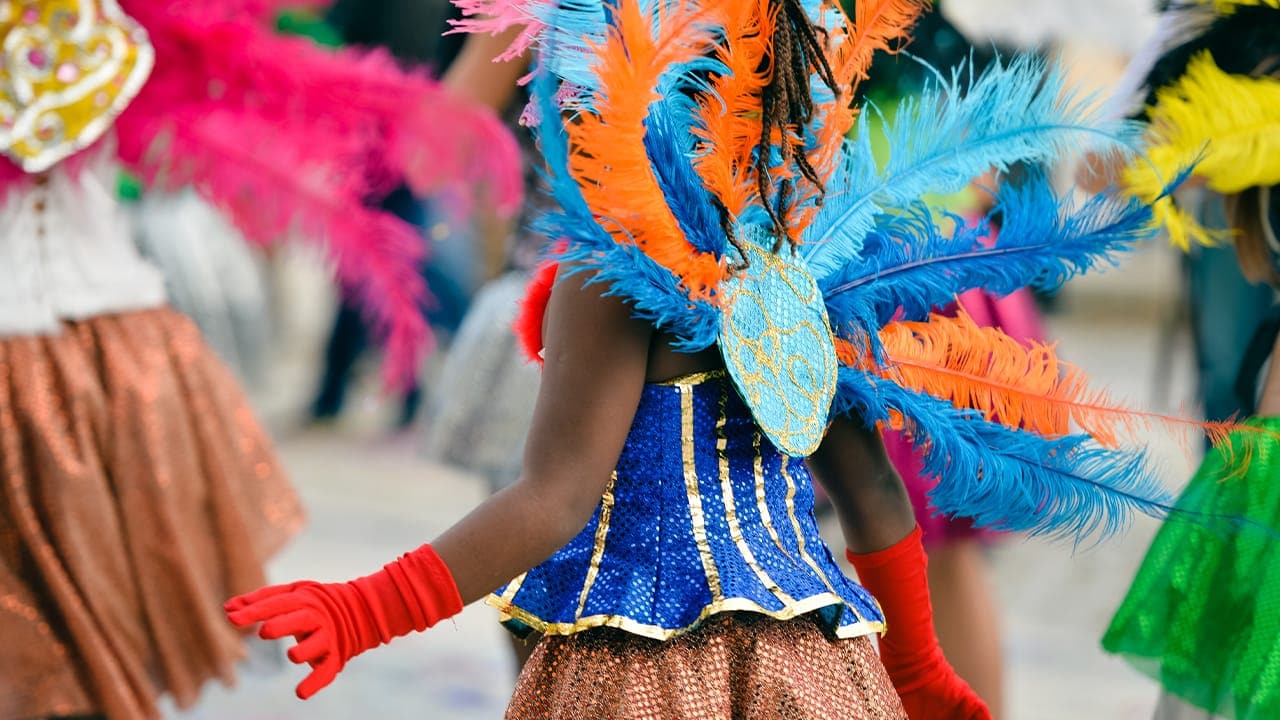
736,666
137,493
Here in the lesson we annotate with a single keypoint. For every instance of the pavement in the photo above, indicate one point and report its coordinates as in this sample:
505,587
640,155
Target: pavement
371,497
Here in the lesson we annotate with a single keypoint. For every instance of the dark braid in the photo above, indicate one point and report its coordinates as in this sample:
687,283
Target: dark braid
798,51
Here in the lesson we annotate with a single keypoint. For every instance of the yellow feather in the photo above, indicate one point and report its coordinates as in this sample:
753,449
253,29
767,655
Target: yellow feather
1228,6
1229,123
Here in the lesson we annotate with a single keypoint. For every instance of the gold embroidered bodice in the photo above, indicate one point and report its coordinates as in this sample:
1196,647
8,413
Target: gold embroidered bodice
68,68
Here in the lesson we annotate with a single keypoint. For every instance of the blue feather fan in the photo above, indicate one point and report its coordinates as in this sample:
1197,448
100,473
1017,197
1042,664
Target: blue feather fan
1022,111
1009,479
911,267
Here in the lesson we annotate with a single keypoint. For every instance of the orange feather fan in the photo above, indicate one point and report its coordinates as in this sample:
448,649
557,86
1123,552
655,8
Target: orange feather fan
608,158
730,116
1017,385
880,25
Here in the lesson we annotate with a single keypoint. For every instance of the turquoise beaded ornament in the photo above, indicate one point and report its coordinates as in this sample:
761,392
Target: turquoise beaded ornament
776,342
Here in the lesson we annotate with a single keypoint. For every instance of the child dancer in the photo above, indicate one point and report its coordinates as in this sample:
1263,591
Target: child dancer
723,309
136,488
1203,612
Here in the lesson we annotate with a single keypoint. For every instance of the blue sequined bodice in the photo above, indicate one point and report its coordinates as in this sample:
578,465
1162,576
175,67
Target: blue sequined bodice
703,515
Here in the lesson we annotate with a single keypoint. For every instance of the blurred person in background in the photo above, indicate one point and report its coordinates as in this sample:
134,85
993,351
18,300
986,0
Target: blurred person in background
1224,305
413,32
137,489
212,275
1203,614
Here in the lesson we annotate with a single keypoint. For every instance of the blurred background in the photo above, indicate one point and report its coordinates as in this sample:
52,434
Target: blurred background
375,482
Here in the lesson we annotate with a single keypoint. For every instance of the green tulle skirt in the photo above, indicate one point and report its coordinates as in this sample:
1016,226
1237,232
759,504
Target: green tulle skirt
1203,614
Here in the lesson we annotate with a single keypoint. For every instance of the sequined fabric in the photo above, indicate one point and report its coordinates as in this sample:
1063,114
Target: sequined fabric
740,666
703,516
776,340
137,492
1203,614
67,69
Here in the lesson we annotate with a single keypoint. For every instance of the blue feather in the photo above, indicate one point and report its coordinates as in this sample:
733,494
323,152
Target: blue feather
1044,240
826,248
1010,479
669,145
1022,111
655,291
573,28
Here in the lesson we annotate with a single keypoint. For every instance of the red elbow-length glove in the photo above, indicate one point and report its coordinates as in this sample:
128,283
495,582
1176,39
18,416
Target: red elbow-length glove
334,622
928,686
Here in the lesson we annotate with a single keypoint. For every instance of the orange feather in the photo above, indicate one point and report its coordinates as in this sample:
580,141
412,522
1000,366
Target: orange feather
607,154
731,114
877,26
1017,385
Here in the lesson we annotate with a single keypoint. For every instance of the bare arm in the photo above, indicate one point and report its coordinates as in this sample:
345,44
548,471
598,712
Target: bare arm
870,499
596,355
476,75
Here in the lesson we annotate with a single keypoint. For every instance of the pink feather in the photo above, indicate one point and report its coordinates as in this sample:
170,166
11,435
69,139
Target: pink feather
291,139
497,16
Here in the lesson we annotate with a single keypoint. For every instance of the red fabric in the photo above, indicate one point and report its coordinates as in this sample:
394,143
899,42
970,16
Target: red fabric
929,687
528,324
334,622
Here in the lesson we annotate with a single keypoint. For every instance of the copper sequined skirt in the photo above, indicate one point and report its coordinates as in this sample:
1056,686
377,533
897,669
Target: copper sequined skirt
736,666
137,493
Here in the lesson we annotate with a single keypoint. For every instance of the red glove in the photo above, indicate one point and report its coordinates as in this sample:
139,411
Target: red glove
928,686
334,622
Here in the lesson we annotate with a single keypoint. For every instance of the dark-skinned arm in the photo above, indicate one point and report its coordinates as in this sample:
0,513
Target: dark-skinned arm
477,75
870,500
884,545
594,374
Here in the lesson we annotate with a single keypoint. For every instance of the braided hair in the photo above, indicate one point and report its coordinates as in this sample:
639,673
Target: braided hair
787,106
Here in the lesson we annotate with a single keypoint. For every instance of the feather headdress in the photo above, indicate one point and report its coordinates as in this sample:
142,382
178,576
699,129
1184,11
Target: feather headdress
650,122
1228,126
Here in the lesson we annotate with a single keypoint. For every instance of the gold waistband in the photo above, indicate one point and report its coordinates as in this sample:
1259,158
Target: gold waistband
696,378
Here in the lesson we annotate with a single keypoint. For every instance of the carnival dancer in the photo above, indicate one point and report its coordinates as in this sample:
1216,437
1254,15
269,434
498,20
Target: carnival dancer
724,306
1203,614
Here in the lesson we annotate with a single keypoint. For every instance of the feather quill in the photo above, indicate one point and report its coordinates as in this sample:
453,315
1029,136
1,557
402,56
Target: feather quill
669,147
1228,125
1020,386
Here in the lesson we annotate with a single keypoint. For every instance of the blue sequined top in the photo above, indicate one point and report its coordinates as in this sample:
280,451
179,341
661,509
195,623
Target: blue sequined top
703,515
